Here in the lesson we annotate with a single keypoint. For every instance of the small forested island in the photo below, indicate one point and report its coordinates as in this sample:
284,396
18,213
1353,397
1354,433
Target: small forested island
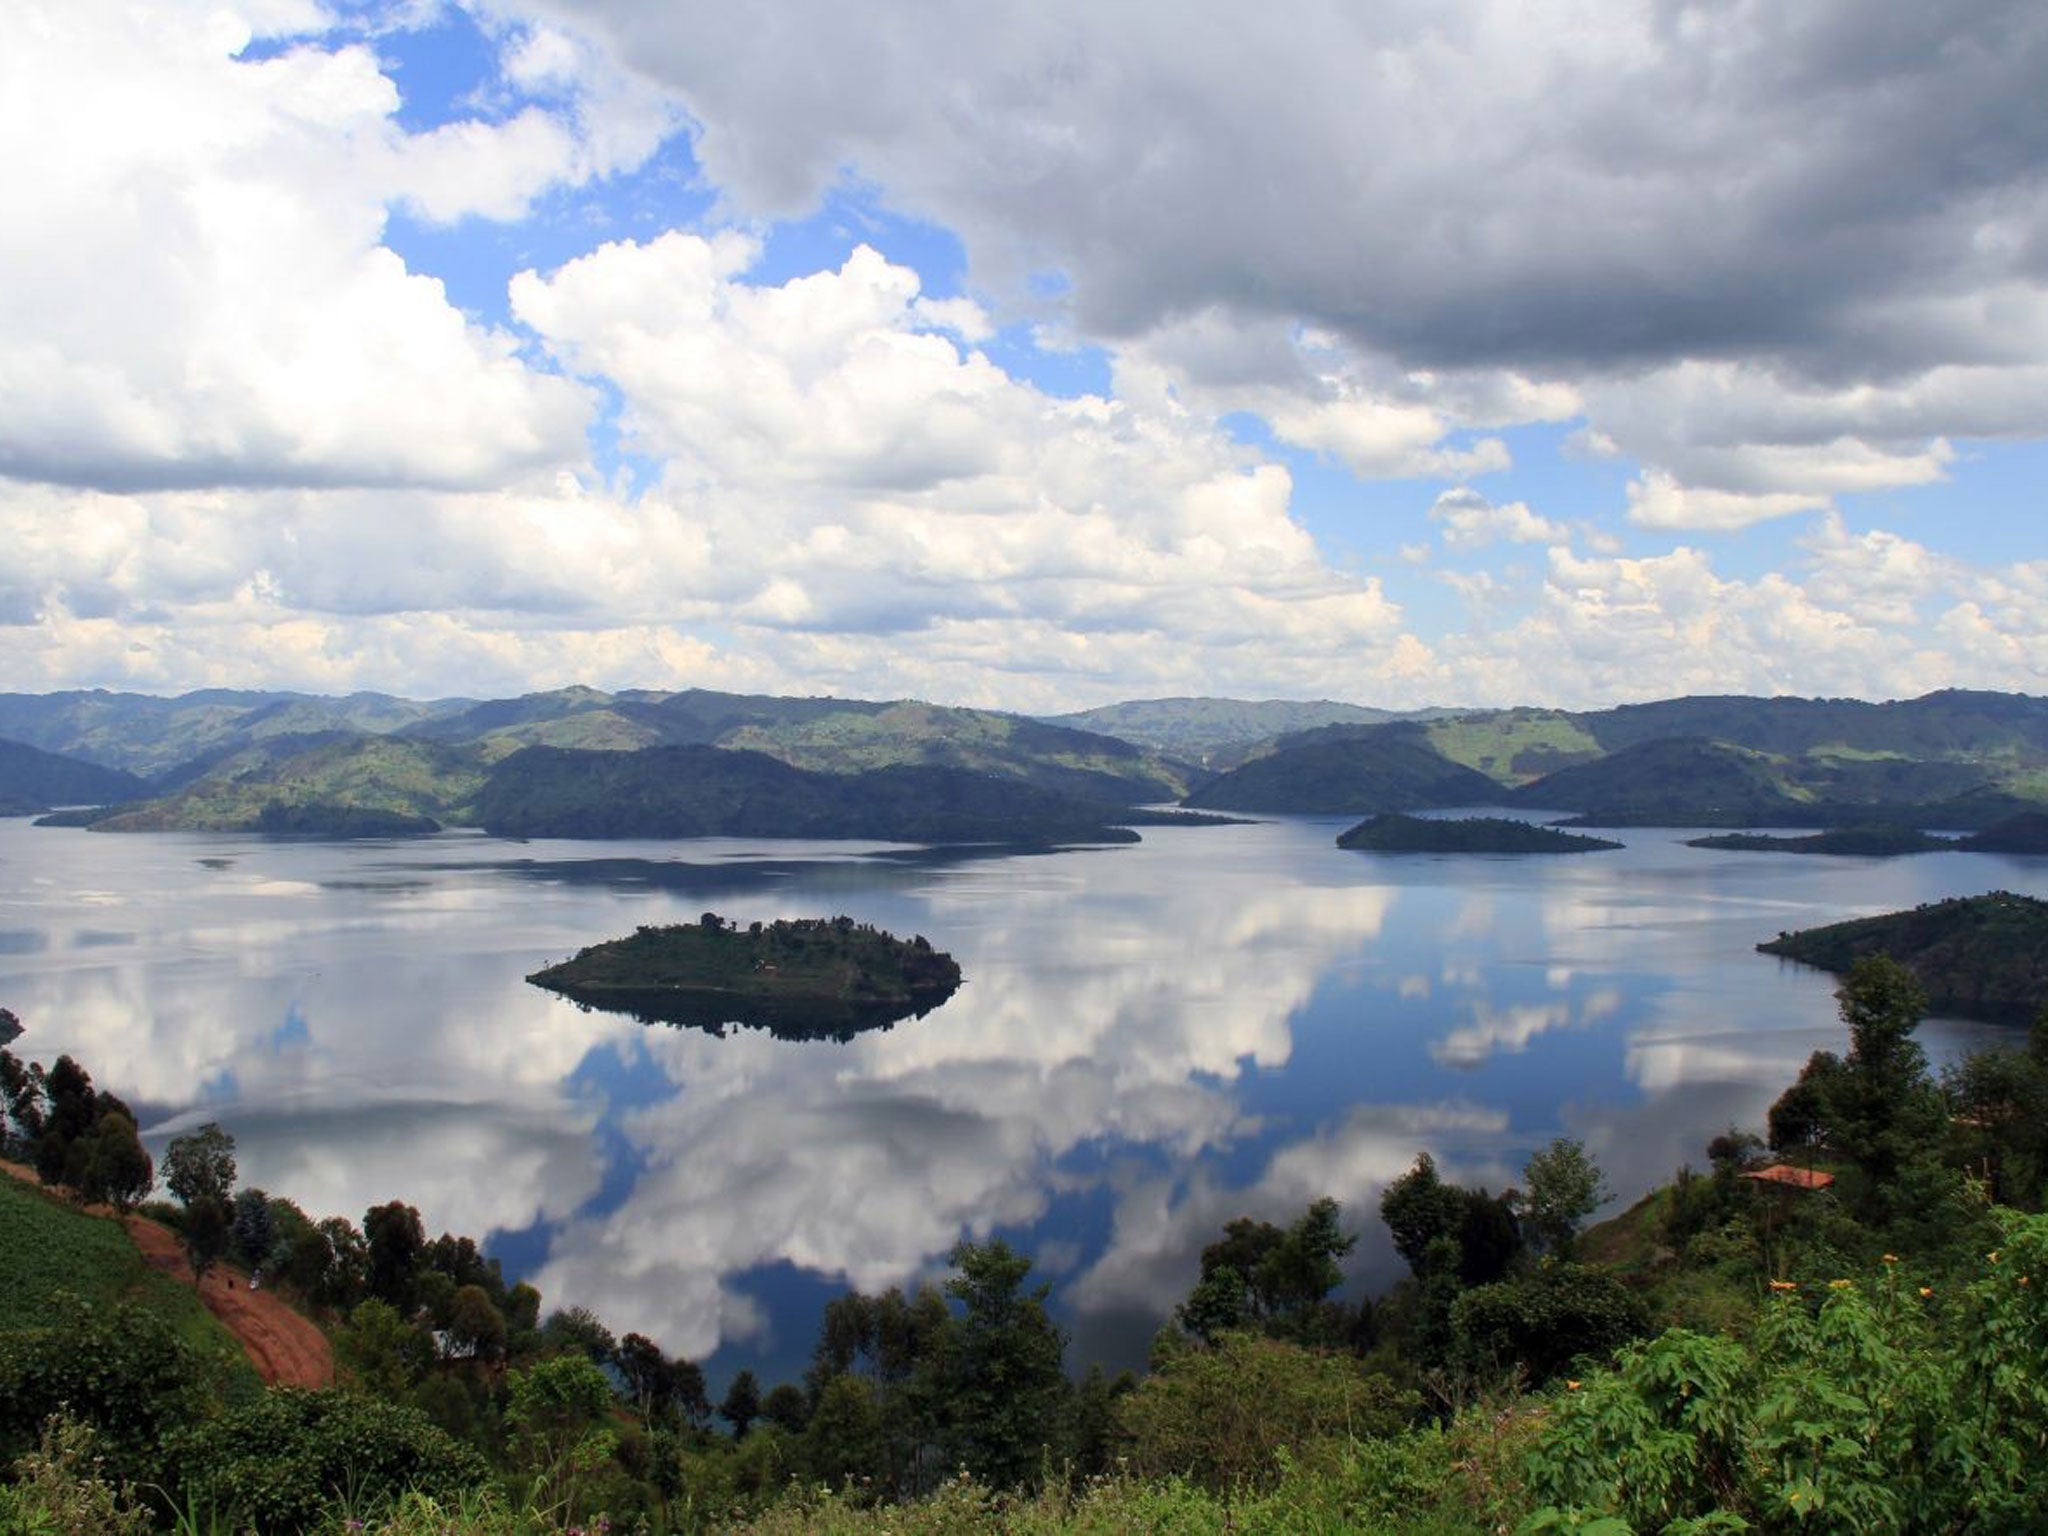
1982,957
802,978
1867,842
1394,833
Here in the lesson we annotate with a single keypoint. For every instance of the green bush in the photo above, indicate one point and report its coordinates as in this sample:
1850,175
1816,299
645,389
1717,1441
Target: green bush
1225,1416
288,1460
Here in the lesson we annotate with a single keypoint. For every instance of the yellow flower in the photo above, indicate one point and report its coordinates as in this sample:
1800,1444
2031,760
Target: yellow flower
1841,1285
1891,1258
1992,1255
1571,1386
1926,1290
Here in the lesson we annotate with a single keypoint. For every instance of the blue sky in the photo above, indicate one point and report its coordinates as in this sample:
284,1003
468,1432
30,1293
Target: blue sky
1027,360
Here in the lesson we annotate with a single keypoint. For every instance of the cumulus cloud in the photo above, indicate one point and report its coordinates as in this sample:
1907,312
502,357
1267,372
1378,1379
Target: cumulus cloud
197,290
1469,519
1846,208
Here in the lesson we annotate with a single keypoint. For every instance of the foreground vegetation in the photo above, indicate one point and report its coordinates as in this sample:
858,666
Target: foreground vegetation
1861,1345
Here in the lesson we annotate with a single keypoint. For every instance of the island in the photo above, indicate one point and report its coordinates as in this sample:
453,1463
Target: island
1877,842
801,979
1980,957
1394,833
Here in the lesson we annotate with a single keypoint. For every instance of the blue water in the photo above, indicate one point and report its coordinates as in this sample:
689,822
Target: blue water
1150,1041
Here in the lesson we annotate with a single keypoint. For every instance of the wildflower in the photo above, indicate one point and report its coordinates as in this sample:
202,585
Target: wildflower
1841,1285
1784,1285
2023,1279
1926,1290
1571,1386
1992,1255
1891,1258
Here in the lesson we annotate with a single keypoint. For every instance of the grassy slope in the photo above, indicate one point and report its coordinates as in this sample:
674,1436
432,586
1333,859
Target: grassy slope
1516,745
47,1245
376,773
928,734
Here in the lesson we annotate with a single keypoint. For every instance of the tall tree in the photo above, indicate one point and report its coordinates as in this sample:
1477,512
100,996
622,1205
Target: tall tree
201,1166
742,1404
110,1164
395,1239
1005,1391
200,1170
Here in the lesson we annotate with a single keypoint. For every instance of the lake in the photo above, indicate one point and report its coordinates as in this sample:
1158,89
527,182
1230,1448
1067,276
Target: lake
1150,1040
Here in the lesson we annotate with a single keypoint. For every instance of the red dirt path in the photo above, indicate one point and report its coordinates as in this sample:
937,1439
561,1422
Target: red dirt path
285,1348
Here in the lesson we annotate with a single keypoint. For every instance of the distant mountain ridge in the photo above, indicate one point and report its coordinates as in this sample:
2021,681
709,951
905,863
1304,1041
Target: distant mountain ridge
1955,759
1217,732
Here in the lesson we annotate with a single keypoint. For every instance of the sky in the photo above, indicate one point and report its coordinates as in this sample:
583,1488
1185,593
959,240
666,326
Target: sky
1432,352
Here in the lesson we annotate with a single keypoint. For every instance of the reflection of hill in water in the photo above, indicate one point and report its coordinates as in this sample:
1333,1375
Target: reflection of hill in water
785,1018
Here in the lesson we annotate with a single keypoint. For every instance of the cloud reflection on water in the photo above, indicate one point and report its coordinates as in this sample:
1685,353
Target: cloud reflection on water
1220,1021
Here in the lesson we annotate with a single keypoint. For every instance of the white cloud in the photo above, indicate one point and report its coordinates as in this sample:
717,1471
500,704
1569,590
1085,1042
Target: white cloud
196,290
1470,520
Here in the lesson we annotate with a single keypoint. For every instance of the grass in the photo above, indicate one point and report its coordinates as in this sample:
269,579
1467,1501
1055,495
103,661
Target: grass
1492,743
48,1245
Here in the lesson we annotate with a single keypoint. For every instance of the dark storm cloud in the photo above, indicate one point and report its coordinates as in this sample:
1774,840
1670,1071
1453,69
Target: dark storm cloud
1554,188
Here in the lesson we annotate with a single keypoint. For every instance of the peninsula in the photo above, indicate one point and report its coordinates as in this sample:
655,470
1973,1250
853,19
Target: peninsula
806,978
1982,957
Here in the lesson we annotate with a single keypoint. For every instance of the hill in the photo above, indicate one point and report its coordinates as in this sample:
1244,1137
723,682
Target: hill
33,780
911,734
1683,782
1376,768
2024,833
1217,733
148,735
716,792
1394,833
344,786
1983,957
51,1250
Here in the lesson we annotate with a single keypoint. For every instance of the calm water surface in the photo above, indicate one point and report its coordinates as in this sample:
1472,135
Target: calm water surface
1151,1040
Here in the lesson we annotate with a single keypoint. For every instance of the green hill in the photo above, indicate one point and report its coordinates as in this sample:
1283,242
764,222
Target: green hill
1688,782
1374,768
1984,957
1051,757
1217,733
715,792
147,735
33,780
350,786
2024,833
50,1249
1394,833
